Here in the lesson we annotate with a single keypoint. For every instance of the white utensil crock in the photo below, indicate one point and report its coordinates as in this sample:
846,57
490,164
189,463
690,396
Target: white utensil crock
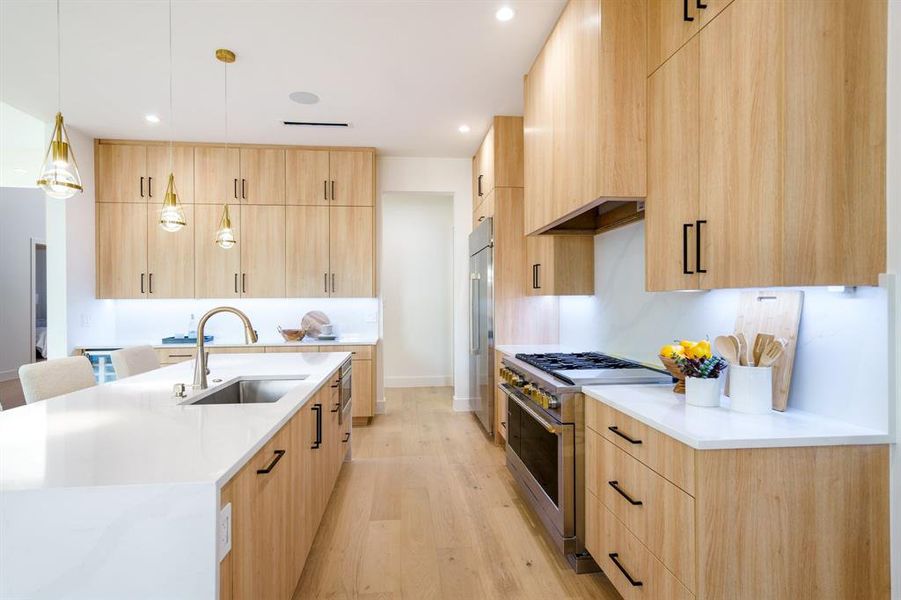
751,389
702,392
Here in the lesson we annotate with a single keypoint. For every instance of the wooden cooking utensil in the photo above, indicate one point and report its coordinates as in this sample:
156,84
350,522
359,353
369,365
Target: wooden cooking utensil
773,352
743,355
727,346
760,344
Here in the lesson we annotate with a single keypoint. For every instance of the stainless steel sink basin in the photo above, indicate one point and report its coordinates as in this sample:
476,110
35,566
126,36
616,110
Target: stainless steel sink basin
250,391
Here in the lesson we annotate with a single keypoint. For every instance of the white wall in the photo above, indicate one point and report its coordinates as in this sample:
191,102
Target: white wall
454,176
893,188
622,318
21,220
417,289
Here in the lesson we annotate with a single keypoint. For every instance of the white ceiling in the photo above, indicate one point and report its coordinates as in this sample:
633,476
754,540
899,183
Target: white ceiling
405,73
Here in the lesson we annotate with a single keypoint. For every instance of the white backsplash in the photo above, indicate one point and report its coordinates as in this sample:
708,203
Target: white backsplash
841,366
148,321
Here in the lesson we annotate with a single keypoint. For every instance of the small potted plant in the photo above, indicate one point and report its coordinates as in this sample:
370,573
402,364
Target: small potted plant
695,363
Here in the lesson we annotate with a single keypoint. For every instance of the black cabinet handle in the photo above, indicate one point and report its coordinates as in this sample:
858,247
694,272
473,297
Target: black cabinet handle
346,438
236,283
324,189
337,406
538,276
318,443
615,485
701,5
685,16
243,283
685,228
236,189
698,247
142,187
268,469
480,185
150,283
325,282
482,218
150,187
243,191
333,275
616,430
333,189
614,556
534,277
142,283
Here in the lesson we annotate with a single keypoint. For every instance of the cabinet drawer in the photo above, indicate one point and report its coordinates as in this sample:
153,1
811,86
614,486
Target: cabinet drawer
234,349
170,356
292,348
668,457
619,553
657,512
358,352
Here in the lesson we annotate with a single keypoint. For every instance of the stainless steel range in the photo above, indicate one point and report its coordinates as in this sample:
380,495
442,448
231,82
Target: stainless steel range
546,435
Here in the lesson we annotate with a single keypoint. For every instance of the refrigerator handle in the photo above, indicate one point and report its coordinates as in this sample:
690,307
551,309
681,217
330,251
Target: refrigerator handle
474,313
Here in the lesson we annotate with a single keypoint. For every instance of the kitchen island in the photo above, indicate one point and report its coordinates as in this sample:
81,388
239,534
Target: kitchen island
115,491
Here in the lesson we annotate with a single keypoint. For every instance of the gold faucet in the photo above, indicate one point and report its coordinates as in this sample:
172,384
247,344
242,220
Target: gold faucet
200,362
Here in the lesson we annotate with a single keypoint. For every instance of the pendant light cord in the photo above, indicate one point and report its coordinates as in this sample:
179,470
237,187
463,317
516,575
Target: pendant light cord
59,60
171,110
225,79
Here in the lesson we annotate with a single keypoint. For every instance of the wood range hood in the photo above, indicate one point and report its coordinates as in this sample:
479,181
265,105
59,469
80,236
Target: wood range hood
598,216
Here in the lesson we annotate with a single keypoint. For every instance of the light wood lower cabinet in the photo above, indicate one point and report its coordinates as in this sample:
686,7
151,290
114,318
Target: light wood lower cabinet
262,247
363,388
170,257
351,248
278,499
666,521
217,271
121,250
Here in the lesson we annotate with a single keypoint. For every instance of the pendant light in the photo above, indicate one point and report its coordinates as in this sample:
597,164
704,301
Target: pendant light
59,172
225,237
172,215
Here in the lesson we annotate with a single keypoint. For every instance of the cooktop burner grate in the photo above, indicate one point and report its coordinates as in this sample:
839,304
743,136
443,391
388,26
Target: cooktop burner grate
571,362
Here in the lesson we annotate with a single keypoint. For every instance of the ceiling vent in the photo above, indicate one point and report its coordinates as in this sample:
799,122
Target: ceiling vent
315,124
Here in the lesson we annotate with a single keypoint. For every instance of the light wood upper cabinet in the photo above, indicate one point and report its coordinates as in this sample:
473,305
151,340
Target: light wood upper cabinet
307,177
671,211
121,250
790,161
484,211
499,160
671,23
170,257
484,175
352,178
262,176
217,271
561,265
262,245
307,234
585,105
217,173
351,247
121,173
159,165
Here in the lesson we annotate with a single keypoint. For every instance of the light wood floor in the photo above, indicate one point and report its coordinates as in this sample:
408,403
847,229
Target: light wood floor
11,394
427,510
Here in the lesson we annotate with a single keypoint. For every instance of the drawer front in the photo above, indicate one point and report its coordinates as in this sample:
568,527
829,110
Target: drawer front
358,352
292,348
170,356
234,349
668,457
626,562
654,510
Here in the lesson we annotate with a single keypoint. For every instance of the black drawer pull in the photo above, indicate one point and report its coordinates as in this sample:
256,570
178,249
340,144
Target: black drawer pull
614,556
318,443
278,456
616,430
615,485
346,437
685,16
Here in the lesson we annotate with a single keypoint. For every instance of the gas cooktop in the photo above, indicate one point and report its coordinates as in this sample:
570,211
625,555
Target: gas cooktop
593,368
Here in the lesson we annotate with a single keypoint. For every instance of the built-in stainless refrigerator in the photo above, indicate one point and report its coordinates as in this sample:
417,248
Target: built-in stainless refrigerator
481,323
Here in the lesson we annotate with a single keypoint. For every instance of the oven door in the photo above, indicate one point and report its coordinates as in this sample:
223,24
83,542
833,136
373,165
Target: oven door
540,453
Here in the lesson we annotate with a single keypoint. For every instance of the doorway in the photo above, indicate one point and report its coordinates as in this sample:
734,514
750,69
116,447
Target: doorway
38,349
417,289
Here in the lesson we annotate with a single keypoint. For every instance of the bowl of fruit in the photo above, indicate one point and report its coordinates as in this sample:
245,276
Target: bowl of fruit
687,358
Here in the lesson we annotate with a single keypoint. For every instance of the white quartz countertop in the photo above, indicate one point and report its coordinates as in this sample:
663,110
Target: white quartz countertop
134,432
349,340
711,428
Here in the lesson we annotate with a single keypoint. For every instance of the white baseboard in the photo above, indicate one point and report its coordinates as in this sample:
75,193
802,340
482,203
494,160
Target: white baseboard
8,375
462,404
418,381
380,407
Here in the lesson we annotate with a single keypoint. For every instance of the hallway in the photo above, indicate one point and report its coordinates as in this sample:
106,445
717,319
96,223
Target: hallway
427,510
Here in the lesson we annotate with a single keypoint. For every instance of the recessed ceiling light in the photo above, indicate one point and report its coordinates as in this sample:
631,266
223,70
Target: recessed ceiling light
152,118
304,97
463,128
504,13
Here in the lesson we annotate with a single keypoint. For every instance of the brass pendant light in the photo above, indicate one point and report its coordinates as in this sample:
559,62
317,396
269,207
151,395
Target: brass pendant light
225,237
172,215
59,172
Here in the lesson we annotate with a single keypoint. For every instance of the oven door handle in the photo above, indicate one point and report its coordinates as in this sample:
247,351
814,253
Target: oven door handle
550,427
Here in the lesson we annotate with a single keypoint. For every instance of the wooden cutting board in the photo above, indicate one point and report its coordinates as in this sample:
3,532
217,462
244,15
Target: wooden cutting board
313,321
778,313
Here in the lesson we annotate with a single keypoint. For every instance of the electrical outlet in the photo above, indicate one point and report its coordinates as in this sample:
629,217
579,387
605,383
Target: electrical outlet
224,532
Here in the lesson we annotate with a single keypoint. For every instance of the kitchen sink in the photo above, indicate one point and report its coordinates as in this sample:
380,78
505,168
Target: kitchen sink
250,391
